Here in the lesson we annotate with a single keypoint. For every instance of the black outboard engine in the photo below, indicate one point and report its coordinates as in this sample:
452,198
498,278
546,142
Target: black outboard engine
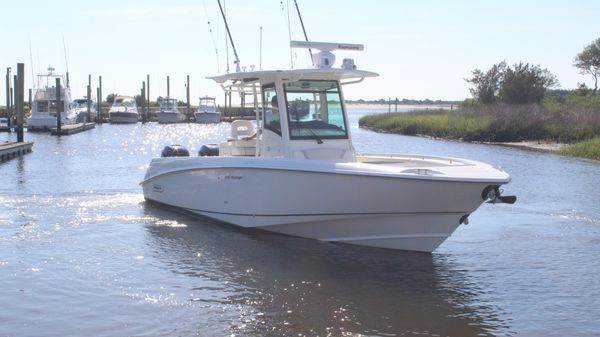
209,150
175,150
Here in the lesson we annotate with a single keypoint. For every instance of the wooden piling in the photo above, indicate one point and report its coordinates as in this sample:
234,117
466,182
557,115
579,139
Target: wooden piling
168,87
20,86
8,97
89,98
187,94
30,99
144,110
148,95
58,109
100,116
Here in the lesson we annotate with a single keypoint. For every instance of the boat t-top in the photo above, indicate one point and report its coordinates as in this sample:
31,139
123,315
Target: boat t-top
295,170
207,111
44,112
123,110
168,112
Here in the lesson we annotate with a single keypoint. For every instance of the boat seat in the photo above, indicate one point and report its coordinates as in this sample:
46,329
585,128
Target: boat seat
242,128
237,145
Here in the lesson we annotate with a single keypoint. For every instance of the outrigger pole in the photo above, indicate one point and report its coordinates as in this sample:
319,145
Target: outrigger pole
304,30
237,59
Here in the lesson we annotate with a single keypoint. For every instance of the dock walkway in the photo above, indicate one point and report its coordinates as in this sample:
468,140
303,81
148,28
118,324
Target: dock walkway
10,150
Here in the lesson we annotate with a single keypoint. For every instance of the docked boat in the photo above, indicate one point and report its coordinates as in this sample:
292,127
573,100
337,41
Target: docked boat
123,110
80,108
207,111
295,170
44,108
168,112
4,126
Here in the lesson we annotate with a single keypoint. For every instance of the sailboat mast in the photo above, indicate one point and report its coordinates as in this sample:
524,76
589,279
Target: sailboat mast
237,59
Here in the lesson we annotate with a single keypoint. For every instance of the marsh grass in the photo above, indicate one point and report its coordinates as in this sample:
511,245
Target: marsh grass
493,123
587,149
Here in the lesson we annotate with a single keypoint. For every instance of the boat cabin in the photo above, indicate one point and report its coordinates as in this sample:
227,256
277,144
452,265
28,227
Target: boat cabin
207,104
168,104
300,113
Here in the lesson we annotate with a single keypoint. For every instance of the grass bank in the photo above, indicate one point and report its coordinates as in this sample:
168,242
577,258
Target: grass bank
586,149
578,125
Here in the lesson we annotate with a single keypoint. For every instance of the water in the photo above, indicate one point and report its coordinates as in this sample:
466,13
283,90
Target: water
82,254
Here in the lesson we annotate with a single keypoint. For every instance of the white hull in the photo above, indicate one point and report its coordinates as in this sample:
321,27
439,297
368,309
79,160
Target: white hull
207,117
123,117
45,122
170,117
354,203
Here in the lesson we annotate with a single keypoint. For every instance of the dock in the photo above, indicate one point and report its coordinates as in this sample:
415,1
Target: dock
10,150
70,129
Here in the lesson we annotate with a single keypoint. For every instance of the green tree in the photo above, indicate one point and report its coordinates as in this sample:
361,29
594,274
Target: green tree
524,83
487,85
588,62
110,99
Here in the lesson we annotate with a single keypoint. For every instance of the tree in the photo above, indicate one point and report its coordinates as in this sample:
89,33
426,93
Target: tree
486,85
588,62
525,83
522,83
110,99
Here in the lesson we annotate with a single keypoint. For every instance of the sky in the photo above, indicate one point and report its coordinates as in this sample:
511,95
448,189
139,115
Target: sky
420,49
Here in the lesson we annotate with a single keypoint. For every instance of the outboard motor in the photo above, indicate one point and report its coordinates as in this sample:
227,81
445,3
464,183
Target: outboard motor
209,150
175,150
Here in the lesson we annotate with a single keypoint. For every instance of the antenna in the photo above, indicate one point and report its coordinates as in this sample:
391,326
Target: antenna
260,54
212,37
31,60
303,30
66,61
237,59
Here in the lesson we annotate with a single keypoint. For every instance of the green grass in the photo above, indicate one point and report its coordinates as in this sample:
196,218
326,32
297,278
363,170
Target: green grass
586,149
435,124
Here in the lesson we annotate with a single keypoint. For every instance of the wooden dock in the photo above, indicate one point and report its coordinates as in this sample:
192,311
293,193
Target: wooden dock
70,129
10,150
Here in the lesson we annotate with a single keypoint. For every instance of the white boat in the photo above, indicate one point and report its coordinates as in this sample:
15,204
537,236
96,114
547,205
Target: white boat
4,124
80,108
44,112
300,174
123,110
207,111
168,112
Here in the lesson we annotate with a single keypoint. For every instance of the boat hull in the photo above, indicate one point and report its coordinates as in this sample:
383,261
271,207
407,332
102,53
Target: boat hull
45,123
319,202
170,117
207,117
123,117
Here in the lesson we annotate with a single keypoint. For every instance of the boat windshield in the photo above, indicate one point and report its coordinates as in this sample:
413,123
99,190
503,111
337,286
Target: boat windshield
168,104
315,110
128,102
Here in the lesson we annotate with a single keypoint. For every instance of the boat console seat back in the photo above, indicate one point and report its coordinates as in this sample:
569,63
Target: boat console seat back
242,128
237,145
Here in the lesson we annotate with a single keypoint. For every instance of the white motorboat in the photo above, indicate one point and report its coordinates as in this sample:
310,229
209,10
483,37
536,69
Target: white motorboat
123,110
168,112
80,108
207,111
4,124
44,110
298,173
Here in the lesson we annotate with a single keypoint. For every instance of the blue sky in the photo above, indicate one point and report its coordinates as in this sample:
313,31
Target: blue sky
421,49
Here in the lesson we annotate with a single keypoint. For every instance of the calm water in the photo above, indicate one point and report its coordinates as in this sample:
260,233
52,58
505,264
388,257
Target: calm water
81,254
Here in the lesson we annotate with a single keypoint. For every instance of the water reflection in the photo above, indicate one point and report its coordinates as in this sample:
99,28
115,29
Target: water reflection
269,284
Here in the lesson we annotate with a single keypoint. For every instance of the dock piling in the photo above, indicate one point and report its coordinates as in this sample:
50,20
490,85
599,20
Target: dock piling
58,109
100,118
89,98
187,94
20,86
